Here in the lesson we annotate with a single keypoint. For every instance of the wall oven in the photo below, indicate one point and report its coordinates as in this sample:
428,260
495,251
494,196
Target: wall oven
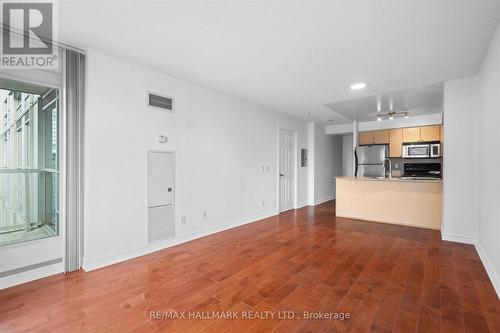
419,170
421,150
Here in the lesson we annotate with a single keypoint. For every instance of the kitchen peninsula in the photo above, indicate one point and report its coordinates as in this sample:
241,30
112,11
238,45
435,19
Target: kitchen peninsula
410,195
417,203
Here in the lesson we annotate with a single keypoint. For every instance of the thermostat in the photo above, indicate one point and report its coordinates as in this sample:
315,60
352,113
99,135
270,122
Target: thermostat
162,138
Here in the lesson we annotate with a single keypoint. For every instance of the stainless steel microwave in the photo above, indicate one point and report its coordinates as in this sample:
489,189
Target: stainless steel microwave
421,150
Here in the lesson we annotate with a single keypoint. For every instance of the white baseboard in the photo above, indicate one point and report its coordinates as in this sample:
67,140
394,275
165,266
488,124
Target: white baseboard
386,222
302,204
488,266
323,200
490,269
31,275
457,238
160,245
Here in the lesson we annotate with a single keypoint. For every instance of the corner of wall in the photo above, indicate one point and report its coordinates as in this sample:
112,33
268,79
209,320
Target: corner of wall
487,101
449,237
460,208
489,267
311,159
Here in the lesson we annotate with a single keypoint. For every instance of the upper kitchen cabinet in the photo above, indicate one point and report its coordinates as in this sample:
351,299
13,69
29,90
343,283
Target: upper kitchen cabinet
374,137
396,142
381,137
430,133
411,134
366,138
422,134
396,136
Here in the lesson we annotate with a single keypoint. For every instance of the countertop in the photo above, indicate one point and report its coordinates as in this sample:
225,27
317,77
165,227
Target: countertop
393,179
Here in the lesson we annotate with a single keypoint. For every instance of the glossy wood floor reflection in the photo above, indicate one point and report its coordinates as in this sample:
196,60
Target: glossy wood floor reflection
389,278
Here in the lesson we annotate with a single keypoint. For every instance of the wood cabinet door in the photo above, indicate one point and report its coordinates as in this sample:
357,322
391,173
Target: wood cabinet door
366,138
430,133
411,134
396,142
381,137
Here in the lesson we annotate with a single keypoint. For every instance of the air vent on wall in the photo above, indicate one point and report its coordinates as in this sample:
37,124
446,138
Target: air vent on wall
161,102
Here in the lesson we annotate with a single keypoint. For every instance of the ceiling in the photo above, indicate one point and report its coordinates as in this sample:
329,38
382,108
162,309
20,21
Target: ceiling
25,87
294,57
417,101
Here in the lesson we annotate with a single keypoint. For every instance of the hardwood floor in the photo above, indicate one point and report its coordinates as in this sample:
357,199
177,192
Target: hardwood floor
388,278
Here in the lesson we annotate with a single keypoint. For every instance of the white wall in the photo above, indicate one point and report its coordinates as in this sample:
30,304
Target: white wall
327,164
460,218
488,155
471,160
311,157
221,143
347,155
339,129
424,120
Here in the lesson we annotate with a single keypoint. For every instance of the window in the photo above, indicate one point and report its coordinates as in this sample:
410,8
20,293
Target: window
29,163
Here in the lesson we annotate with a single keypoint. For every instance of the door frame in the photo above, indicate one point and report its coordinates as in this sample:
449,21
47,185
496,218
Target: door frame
295,167
49,82
52,263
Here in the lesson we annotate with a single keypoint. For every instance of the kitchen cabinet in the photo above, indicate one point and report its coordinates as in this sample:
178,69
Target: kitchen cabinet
422,134
395,142
415,203
366,138
374,137
430,133
381,137
411,134
397,136
441,137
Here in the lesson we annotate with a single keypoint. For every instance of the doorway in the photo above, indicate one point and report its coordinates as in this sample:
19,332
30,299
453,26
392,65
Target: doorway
287,169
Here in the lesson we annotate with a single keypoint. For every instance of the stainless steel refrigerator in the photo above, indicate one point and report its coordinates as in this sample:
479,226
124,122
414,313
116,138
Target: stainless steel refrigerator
370,160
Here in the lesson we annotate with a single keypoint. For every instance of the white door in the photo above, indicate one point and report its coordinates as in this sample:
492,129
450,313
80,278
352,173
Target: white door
161,222
286,169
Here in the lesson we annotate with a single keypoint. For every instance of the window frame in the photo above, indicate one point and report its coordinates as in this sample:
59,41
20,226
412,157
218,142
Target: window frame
49,79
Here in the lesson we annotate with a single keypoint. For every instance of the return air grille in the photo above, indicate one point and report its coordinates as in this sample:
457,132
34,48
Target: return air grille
161,102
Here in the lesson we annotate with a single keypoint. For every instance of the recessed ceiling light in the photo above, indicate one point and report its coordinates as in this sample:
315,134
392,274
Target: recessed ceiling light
379,118
359,85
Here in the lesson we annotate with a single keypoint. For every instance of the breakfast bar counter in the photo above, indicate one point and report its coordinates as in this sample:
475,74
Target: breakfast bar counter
412,202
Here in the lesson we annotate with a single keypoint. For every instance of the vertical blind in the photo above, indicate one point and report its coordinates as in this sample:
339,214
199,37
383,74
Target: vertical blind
74,93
